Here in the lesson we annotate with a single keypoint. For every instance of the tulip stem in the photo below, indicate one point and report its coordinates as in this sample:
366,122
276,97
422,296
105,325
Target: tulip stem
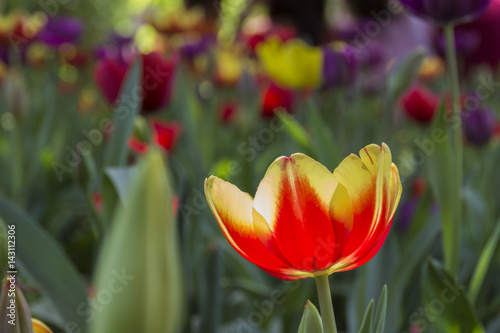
453,233
325,304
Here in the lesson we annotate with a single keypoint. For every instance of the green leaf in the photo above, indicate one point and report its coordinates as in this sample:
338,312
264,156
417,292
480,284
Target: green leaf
440,170
125,112
328,153
367,324
121,178
404,72
447,307
381,312
296,131
41,258
311,320
210,289
484,264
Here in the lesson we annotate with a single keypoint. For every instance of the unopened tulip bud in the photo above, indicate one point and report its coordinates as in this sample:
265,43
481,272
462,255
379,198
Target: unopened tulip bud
15,315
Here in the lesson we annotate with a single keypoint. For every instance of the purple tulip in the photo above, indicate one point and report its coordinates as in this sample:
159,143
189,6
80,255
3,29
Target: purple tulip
195,46
339,68
479,126
406,214
466,42
447,11
4,55
61,30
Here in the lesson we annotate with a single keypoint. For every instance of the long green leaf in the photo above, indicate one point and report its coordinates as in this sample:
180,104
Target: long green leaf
448,309
42,259
483,264
381,312
367,325
296,131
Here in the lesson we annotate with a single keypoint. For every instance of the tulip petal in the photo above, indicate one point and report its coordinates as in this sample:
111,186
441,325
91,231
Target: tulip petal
294,199
40,327
342,218
374,189
233,211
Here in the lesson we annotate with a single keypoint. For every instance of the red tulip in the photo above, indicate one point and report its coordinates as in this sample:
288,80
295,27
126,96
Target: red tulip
157,79
306,221
228,111
276,98
165,135
420,104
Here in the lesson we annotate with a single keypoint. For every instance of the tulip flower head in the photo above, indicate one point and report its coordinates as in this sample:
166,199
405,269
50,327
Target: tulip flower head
479,126
306,221
157,79
293,64
61,30
420,104
446,11
276,99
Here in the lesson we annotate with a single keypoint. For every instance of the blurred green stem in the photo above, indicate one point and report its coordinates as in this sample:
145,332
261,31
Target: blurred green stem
325,304
453,232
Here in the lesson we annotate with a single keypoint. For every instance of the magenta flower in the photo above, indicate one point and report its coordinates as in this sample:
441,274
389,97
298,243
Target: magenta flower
61,30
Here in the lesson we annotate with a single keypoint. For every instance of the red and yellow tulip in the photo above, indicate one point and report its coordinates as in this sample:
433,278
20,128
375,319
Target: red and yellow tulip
306,221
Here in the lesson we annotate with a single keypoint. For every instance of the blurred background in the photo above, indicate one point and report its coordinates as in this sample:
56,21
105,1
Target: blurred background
224,87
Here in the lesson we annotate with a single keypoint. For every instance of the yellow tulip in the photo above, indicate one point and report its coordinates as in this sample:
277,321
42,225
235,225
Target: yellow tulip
293,63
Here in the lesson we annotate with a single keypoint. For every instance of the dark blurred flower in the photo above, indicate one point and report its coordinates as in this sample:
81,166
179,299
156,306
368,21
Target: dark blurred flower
485,30
165,134
466,43
420,104
446,11
118,47
157,79
274,99
339,68
409,207
228,111
406,214
194,46
479,126
61,30
4,55
109,75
